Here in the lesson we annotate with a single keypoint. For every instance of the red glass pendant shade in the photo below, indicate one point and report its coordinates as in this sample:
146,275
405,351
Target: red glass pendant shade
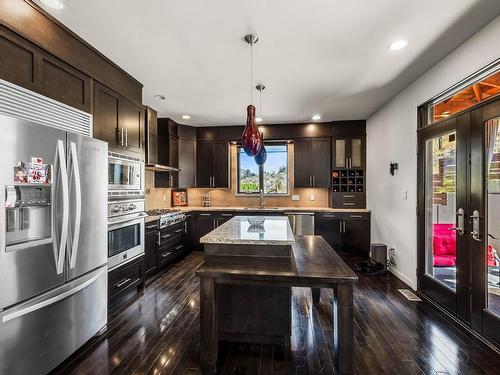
261,157
251,138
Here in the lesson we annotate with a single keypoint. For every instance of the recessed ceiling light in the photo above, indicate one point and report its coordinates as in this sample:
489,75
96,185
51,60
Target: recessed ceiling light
160,97
398,44
316,117
54,4
186,117
258,119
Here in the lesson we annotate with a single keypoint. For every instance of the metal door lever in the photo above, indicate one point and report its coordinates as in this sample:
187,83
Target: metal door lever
460,222
475,226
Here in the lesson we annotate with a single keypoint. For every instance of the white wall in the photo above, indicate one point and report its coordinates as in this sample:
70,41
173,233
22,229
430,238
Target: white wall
391,136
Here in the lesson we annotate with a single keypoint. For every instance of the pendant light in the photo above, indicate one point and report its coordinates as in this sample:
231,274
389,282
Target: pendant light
261,157
251,139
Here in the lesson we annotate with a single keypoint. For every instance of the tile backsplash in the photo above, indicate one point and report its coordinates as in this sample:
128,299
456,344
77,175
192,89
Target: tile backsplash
160,197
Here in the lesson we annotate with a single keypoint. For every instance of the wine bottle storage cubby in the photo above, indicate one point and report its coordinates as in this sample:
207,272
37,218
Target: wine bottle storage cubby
348,180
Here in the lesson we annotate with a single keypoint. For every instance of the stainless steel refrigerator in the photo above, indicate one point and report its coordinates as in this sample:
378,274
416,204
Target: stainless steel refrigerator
53,245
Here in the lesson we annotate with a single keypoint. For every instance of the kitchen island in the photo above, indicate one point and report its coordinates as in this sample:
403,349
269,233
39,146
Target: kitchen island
246,280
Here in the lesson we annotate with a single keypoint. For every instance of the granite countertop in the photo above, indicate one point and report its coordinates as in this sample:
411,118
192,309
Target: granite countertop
271,209
237,231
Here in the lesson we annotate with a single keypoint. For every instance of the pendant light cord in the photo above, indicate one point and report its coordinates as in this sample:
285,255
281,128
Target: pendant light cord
251,72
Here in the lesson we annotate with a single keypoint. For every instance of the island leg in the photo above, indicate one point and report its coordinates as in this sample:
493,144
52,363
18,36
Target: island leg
209,343
343,321
316,294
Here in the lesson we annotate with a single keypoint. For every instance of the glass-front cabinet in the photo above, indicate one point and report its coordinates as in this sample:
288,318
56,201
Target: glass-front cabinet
348,152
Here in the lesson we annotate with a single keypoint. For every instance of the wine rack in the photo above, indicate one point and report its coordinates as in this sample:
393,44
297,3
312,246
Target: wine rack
348,180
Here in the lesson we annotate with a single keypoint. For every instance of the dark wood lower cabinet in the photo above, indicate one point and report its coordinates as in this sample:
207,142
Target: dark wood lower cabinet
125,279
346,232
151,248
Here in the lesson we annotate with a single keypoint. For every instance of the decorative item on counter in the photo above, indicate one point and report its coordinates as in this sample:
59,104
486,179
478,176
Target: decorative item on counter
256,221
251,138
179,197
20,173
205,200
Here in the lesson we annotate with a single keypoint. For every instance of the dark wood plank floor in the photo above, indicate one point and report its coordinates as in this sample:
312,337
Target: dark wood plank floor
157,332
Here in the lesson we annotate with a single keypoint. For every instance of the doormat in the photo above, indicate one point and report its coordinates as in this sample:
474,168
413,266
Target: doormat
410,296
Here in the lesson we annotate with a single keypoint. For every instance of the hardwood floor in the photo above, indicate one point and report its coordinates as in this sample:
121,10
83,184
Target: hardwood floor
157,332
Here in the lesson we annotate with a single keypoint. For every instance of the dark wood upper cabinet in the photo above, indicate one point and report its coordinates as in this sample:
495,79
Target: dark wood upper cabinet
17,59
302,163
118,121
348,152
312,162
151,149
204,164
105,114
220,167
212,164
187,163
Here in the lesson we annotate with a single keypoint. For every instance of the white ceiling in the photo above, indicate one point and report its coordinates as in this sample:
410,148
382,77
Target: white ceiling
314,56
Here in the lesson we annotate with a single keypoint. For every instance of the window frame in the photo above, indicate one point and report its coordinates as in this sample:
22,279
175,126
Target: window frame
261,173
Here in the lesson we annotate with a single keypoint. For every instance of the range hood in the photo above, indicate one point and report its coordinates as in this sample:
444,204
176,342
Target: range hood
160,168
152,139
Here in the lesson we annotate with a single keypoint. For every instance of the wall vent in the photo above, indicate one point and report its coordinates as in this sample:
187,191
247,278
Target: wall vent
21,103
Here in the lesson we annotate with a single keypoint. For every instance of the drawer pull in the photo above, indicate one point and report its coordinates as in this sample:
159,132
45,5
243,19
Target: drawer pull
122,283
205,214
179,247
349,196
331,216
179,230
164,255
226,214
150,226
166,236
348,204
360,216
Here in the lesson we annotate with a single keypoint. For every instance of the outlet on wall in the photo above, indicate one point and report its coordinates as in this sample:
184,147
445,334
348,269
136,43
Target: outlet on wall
295,197
164,197
311,197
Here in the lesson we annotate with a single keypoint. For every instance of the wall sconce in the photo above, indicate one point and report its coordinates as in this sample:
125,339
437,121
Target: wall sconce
393,168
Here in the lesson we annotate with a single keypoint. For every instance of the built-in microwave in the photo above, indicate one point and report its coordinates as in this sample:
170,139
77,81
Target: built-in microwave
125,175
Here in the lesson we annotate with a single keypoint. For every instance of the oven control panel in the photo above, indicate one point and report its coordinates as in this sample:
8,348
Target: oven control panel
125,207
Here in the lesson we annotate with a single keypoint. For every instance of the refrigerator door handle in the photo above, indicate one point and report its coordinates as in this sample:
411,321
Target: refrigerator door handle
52,300
78,203
59,250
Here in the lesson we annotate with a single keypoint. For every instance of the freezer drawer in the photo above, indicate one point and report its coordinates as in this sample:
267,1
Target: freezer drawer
38,335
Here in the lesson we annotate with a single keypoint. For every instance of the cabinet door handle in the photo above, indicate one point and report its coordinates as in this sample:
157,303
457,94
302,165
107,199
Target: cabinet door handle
171,181
344,226
126,137
121,283
166,236
159,239
164,255
340,226
346,163
195,182
179,230
179,247
150,226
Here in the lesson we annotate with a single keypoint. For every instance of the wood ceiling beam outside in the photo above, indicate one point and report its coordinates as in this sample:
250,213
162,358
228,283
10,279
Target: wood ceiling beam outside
477,92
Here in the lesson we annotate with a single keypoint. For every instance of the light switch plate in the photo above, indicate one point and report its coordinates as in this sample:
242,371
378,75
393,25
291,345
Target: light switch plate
164,197
295,197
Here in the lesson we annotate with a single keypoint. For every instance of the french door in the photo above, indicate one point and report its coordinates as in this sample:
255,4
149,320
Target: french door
459,216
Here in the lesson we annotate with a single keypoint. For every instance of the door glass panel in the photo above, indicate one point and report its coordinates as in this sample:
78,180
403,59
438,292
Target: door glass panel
440,209
356,153
340,153
492,143
123,239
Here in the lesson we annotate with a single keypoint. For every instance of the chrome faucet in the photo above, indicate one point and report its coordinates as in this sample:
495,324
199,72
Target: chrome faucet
262,202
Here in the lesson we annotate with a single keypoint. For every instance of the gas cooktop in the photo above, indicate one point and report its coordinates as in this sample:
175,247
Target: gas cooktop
162,211
168,216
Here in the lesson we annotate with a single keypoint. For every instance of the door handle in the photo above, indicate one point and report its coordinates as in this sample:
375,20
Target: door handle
460,222
59,251
78,203
475,226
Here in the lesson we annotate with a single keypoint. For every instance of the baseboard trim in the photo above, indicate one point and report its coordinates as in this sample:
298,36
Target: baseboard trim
403,278
484,340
